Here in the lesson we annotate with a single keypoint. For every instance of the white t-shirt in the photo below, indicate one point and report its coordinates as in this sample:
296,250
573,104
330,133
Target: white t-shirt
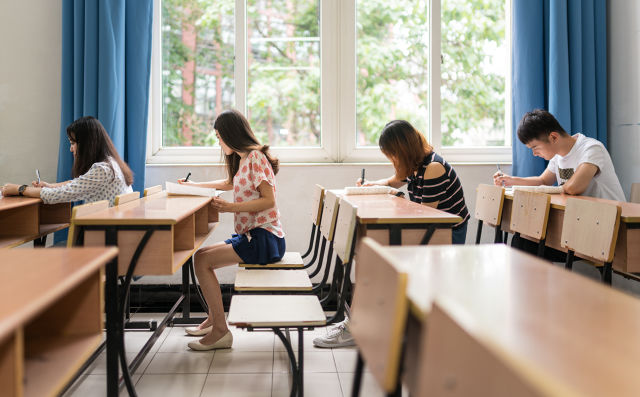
604,184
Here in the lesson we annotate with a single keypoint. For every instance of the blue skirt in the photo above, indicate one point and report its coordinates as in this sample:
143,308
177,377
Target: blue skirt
263,247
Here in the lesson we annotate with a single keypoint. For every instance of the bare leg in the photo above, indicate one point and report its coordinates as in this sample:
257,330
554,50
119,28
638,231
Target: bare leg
203,252
206,261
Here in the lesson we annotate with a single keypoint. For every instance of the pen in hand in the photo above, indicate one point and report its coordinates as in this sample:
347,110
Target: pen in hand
38,176
501,173
187,178
362,178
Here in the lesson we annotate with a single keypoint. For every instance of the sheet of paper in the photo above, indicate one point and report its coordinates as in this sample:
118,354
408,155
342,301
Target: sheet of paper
176,189
540,189
367,190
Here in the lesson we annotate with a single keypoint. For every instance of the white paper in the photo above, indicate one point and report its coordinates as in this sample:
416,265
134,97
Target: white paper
540,189
176,189
367,190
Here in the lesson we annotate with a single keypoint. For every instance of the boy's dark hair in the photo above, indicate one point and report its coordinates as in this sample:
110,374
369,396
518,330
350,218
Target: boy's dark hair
94,146
235,132
538,124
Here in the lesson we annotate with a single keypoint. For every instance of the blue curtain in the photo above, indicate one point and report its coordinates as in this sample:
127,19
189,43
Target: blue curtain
559,64
106,62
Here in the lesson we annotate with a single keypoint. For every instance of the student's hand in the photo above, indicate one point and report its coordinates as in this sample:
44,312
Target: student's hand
222,205
10,189
182,182
501,179
41,184
359,182
366,183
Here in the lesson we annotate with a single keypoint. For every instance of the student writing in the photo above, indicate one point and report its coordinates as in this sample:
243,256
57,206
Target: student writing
581,165
259,236
98,171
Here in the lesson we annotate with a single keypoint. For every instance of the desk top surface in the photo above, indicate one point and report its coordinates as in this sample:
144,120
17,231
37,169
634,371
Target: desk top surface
36,277
386,208
158,209
554,324
9,202
630,211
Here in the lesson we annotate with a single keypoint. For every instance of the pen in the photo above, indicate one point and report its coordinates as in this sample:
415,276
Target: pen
362,179
187,178
38,175
500,171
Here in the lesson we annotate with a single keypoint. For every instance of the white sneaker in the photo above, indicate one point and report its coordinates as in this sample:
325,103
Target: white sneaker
337,336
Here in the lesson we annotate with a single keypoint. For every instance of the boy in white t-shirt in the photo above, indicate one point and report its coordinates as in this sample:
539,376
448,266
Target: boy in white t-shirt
581,165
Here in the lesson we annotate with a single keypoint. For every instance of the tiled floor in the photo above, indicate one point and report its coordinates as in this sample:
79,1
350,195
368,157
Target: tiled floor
257,365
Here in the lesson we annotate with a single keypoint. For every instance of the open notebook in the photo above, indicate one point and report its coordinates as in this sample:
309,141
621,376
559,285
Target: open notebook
538,189
367,190
176,189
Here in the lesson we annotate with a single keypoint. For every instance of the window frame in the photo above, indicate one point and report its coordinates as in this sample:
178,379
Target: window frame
337,95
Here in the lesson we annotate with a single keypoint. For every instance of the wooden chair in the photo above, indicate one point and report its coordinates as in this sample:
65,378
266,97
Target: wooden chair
125,198
278,312
255,279
529,217
489,201
292,259
378,318
453,361
152,190
590,230
80,210
634,197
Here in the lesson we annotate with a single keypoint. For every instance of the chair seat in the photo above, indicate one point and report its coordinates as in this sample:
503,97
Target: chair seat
276,311
272,280
291,259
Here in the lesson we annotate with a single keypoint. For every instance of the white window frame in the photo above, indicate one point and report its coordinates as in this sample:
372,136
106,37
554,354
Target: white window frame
338,96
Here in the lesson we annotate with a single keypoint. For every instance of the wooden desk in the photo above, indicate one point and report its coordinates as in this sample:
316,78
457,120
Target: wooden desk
627,256
24,219
392,220
50,316
156,235
181,224
560,332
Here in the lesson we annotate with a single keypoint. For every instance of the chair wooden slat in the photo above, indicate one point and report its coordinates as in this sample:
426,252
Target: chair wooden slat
590,228
127,197
530,213
344,230
489,201
329,214
152,190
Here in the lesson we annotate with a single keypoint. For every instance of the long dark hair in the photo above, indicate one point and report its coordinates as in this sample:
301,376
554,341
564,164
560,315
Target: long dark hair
94,146
235,132
406,145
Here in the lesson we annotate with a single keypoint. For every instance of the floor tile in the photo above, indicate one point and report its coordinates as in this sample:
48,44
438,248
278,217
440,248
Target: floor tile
239,362
237,385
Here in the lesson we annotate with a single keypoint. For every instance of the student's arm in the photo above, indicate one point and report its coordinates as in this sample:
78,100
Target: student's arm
267,200
79,188
432,196
546,178
221,184
393,181
579,181
47,184
11,189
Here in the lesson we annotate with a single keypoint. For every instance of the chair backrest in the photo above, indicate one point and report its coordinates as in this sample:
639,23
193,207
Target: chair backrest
126,197
152,190
489,200
635,193
590,228
379,313
329,215
530,213
317,202
345,230
84,209
454,361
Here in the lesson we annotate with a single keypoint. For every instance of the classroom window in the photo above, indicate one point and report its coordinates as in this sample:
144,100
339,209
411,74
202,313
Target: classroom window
318,79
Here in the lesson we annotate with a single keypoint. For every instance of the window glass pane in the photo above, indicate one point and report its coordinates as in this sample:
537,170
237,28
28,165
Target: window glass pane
283,77
392,69
474,66
197,68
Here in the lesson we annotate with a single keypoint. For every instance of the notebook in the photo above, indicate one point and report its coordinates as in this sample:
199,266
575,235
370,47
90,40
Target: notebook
367,190
176,189
540,189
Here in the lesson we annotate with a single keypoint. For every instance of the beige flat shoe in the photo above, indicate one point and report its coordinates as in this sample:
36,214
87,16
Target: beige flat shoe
223,343
194,331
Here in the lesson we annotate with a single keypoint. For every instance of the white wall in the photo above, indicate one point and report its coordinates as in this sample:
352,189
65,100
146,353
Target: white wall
30,39
624,89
